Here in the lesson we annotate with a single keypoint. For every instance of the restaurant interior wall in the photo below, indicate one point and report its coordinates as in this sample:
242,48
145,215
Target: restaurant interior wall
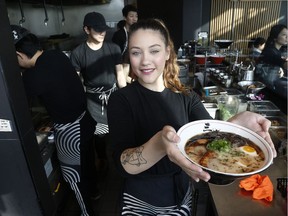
196,18
243,20
171,12
74,15
238,20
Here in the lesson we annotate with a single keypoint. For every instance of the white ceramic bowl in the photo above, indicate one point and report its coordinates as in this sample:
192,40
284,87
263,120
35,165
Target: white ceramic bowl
198,127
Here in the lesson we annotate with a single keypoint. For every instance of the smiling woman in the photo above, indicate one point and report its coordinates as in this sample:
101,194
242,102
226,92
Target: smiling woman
143,118
148,57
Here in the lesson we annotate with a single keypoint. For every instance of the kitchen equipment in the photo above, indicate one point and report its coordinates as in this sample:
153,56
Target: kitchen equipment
251,87
242,103
233,91
200,59
223,44
46,14
22,20
262,106
183,72
210,93
203,126
211,109
217,58
246,74
62,12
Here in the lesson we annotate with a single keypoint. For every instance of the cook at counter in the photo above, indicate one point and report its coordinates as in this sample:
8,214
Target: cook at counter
272,67
275,51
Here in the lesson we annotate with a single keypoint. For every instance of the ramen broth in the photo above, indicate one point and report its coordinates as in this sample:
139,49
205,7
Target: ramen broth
224,152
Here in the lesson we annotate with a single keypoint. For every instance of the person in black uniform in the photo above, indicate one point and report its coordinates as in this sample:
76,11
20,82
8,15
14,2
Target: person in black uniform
257,46
276,43
99,62
143,118
120,37
272,68
50,76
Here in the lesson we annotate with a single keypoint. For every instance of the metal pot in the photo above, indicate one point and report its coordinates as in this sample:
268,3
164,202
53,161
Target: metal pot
246,74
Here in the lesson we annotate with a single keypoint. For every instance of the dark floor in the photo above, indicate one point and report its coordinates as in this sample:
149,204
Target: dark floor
108,205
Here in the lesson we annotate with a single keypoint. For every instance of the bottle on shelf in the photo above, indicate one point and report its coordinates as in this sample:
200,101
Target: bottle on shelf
180,52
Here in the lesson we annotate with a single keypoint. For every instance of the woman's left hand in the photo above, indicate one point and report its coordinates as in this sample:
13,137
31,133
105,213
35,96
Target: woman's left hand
256,123
170,140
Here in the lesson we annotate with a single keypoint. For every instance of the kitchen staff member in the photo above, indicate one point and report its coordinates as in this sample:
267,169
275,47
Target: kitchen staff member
50,76
120,37
276,41
100,64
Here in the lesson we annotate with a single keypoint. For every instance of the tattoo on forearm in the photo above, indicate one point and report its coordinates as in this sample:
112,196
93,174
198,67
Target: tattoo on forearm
133,156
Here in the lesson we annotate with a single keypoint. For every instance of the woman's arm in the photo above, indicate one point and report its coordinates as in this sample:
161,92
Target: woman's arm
137,160
121,78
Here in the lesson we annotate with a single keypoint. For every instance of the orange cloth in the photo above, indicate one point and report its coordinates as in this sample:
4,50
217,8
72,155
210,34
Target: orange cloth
261,186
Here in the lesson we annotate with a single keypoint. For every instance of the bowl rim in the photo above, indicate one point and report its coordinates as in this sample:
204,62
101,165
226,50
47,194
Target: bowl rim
223,40
259,85
198,123
199,56
217,56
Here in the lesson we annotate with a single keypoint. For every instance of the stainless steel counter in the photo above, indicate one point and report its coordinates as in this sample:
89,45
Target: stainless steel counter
231,200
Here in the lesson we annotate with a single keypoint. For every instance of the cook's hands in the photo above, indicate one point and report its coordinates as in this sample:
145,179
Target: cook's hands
256,123
170,140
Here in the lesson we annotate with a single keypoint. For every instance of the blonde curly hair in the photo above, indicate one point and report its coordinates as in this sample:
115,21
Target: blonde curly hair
171,69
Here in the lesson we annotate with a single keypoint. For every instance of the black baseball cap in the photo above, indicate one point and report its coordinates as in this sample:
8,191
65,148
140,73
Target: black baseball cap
96,21
18,33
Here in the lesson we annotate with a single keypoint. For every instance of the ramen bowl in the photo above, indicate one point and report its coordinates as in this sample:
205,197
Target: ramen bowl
205,127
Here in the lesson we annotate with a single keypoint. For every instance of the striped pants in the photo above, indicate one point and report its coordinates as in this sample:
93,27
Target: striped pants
135,207
72,147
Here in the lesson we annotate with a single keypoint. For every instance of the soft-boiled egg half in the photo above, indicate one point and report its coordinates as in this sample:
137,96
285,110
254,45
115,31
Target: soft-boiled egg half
248,150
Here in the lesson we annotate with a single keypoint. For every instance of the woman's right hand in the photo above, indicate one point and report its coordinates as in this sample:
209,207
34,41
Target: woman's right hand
170,140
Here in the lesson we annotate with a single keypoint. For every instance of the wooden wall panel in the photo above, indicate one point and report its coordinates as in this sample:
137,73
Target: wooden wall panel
241,21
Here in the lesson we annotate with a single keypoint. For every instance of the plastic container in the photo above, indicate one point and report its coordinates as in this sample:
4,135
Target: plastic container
260,106
228,106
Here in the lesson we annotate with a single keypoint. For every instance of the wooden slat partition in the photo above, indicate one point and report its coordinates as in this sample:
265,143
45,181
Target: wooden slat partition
242,20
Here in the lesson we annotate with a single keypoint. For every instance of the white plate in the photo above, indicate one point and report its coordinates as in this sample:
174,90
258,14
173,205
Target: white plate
197,127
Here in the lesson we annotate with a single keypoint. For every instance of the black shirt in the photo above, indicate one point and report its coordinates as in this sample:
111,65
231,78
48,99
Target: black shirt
120,38
135,114
57,84
97,66
271,55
